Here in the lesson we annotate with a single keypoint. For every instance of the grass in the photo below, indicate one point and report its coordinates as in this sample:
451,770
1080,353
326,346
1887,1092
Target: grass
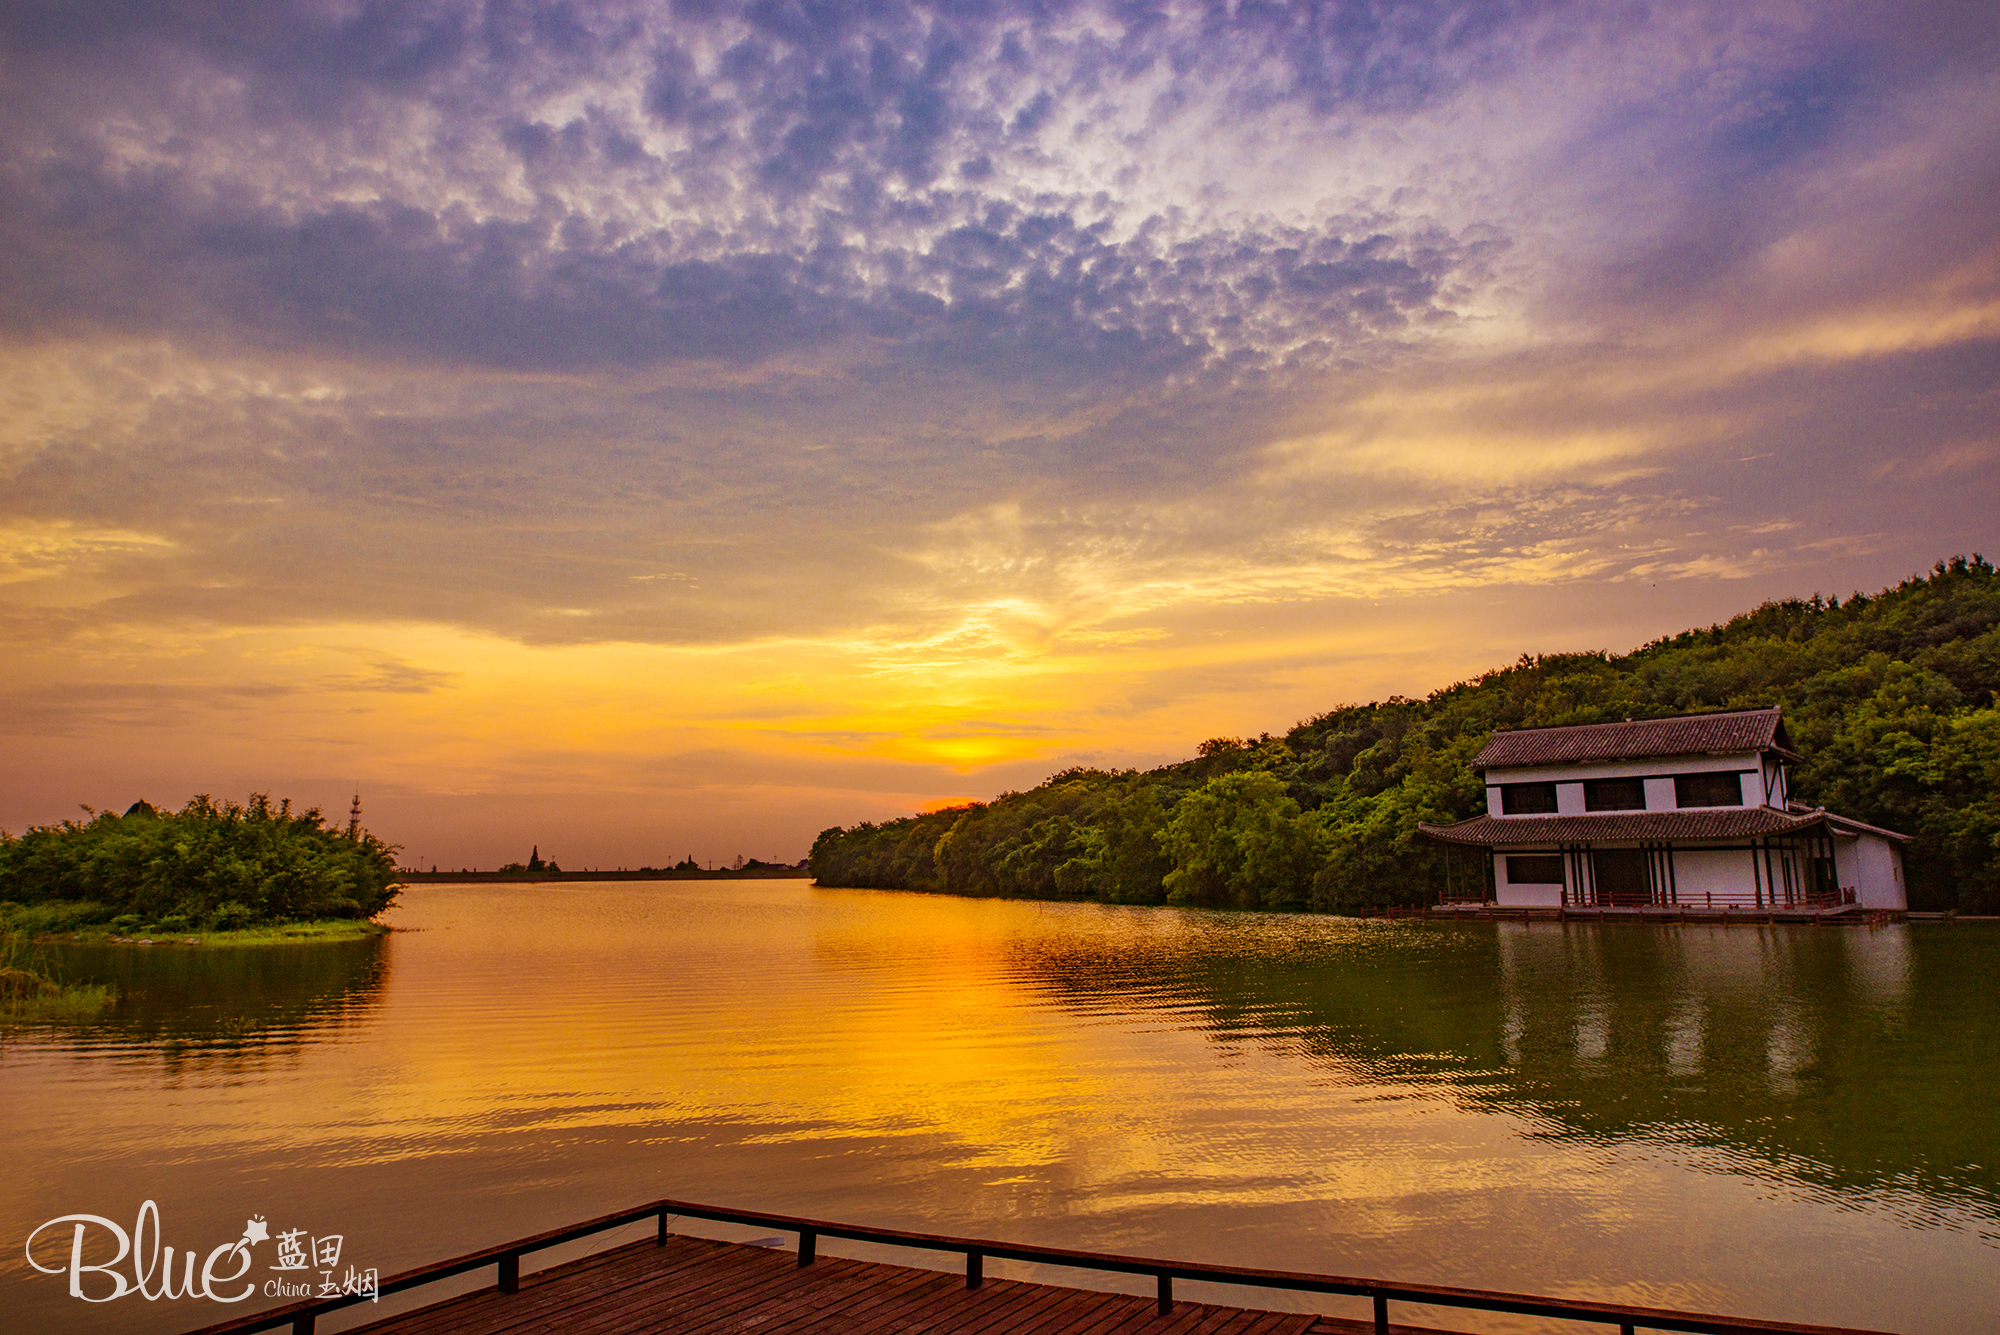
33,998
91,922
265,934
32,989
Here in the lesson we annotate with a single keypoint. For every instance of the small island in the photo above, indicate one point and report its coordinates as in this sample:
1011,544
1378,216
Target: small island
228,873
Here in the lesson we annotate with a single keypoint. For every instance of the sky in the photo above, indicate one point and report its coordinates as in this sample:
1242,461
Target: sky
649,430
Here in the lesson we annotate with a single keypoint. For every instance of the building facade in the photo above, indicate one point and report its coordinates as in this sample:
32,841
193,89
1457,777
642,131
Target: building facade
1690,811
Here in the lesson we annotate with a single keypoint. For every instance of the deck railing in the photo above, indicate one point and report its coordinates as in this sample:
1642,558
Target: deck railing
506,1259
1755,902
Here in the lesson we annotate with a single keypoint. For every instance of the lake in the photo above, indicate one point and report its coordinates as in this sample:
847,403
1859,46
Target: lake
1793,1123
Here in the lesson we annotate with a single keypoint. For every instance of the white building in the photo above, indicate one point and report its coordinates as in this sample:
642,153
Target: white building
1689,811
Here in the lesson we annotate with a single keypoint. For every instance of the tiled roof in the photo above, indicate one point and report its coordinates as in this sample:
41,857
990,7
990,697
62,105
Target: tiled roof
1610,826
1849,826
1639,739
1843,825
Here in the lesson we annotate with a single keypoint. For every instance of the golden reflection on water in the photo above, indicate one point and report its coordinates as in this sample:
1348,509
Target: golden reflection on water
1721,1119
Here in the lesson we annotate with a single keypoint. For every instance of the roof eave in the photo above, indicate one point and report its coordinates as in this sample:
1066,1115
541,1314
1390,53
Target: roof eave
1864,827
1661,755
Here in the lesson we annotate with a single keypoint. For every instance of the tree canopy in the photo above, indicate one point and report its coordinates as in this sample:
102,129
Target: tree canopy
207,865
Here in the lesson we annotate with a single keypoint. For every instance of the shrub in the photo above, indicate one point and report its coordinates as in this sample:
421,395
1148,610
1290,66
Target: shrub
207,863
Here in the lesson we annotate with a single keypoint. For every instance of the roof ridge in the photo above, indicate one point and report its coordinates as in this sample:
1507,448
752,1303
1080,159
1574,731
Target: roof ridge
1712,732
1650,718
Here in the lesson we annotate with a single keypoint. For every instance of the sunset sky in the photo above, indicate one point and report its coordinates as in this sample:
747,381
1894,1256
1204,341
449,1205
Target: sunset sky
651,429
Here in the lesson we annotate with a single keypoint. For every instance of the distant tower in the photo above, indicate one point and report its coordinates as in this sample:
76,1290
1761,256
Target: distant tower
354,817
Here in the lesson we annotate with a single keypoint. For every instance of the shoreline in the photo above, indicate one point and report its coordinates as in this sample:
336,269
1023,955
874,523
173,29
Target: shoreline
644,874
268,934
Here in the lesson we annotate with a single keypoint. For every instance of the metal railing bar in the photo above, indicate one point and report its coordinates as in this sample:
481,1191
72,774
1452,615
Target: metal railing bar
430,1274
1697,1323
1628,1319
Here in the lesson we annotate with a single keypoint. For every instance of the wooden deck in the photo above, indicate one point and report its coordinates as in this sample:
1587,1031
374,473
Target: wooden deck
695,1286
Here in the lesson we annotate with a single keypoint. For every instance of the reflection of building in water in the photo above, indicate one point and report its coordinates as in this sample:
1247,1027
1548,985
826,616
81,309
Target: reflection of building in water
1684,1037
1788,1049
1749,1008
1883,973
1689,811
1851,1059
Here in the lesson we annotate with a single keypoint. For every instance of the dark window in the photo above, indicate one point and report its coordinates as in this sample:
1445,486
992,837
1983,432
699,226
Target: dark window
1708,790
1534,869
1614,795
1622,877
1527,799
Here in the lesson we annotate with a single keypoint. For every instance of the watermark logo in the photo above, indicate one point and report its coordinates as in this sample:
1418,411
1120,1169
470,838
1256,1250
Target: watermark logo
300,1254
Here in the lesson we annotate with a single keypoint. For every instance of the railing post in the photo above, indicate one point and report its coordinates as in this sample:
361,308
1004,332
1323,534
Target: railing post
975,1267
663,1228
510,1273
808,1240
302,1324
1381,1316
1166,1294
1624,1328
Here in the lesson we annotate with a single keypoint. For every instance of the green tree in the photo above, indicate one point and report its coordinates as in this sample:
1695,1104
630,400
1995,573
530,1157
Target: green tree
1890,696
1122,860
209,864
1238,842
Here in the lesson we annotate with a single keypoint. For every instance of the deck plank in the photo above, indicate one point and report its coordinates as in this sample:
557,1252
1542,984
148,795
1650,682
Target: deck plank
551,1290
698,1286
1031,1308
884,1291
1071,1314
750,1299
1012,1307
800,1300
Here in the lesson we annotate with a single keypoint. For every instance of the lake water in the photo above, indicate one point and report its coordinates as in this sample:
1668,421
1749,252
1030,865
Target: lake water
1782,1122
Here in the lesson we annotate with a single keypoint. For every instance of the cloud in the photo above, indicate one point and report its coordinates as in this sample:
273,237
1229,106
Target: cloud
978,372
730,187
73,709
394,676
1145,195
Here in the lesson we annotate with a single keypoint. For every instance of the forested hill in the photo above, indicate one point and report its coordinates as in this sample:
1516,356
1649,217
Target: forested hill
1890,697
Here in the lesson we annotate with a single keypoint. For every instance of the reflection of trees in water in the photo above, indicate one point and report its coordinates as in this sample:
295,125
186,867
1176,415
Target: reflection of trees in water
1848,1059
241,1004
1841,1058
